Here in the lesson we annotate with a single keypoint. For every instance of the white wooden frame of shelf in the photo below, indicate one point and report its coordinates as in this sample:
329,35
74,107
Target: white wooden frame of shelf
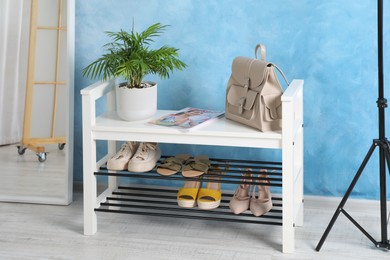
221,132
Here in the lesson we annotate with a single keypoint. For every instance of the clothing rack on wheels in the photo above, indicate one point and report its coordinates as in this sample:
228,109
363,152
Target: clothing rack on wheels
35,83
384,156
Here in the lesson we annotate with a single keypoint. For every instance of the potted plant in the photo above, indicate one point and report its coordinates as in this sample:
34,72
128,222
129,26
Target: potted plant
130,57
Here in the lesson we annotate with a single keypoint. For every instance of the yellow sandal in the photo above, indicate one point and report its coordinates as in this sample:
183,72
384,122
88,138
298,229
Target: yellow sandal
210,197
186,196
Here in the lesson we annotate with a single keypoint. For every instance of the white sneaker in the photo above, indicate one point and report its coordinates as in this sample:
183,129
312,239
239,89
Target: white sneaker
121,159
145,158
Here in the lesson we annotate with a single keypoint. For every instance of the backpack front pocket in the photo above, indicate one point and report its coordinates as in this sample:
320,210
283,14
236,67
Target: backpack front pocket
272,106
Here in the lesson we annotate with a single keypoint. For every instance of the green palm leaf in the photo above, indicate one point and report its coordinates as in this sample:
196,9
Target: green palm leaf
128,55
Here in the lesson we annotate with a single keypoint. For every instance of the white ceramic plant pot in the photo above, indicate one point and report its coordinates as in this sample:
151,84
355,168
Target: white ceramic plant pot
136,103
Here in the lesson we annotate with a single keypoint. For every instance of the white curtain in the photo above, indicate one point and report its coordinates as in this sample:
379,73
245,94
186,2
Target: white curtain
14,33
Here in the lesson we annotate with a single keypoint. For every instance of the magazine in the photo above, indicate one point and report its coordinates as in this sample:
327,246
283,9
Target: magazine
187,118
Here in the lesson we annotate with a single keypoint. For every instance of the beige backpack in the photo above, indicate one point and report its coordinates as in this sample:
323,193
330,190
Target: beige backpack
253,95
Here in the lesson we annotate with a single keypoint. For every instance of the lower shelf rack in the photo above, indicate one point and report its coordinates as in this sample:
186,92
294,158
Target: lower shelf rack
162,201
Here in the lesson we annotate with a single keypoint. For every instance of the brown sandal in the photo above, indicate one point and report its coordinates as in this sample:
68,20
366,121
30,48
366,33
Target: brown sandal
172,165
196,167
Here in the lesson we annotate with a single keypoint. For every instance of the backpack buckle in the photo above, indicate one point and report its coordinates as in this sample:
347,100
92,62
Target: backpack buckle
241,104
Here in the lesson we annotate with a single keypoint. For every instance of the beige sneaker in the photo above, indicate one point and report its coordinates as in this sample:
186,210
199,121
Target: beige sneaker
121,159
145,158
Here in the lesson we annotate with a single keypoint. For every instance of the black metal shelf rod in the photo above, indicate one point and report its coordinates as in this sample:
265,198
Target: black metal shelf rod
170,190
219,172
246,179
246,168
237,161
231,169
173,202
160,214
160,177
192,210
240,172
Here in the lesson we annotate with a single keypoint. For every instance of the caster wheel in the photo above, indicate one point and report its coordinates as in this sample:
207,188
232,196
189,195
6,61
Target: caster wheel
41,157
61,146
21,149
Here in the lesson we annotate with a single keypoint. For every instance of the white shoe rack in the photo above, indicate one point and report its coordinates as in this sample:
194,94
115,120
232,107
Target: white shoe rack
161,201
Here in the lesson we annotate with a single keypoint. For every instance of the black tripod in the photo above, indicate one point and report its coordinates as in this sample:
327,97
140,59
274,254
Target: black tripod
384,156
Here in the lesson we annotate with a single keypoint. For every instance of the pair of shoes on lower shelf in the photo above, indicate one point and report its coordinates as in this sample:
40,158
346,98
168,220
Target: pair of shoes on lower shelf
184,163
135,157
244,199
192,194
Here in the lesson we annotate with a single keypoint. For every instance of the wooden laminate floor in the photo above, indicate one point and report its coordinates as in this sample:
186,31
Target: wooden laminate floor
33,231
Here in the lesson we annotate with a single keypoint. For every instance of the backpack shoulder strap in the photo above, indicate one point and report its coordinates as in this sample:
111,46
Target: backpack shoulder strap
281,73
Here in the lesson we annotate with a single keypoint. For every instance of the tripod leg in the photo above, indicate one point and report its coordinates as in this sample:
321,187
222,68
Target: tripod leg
345,198
385,241
387,153
383,157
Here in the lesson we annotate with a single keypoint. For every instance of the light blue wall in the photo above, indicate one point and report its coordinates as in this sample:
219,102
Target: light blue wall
331,44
